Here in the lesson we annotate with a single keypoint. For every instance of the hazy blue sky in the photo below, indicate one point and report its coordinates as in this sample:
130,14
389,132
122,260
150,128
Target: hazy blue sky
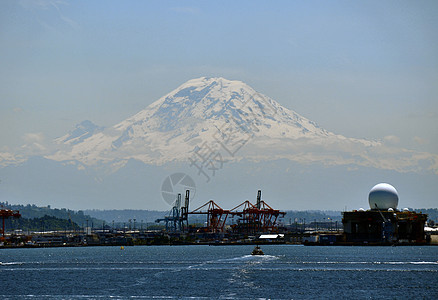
366,69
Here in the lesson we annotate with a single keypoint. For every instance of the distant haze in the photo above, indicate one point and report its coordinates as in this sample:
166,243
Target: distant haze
101,101
227,141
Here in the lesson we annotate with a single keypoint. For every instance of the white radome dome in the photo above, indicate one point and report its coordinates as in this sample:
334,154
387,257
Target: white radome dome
383,196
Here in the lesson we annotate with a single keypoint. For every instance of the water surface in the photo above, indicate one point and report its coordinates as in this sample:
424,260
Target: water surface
227,272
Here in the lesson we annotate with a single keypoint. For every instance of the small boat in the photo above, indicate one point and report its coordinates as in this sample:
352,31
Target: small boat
257,251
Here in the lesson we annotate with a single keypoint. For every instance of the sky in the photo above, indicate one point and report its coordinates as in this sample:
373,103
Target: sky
365,69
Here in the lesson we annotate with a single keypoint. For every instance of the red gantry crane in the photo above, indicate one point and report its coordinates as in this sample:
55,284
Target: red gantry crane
259,218
7,213
216,216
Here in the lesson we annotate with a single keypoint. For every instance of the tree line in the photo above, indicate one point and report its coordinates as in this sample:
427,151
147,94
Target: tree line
35,218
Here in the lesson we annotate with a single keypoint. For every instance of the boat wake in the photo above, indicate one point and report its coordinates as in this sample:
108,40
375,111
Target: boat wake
250,257
10,263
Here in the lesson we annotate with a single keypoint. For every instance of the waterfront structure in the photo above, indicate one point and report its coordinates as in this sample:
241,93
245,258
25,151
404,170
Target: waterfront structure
383,223
251,218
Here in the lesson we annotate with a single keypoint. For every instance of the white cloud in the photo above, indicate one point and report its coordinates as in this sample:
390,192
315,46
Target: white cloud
420,140
35,144
392,139
33,137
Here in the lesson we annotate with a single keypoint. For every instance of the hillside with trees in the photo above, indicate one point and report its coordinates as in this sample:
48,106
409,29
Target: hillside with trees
36,218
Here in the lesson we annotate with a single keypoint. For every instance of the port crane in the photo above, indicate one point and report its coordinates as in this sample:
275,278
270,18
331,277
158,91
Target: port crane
7,213
252,219
177,220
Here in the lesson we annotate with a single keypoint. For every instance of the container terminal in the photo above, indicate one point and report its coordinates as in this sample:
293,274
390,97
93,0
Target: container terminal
247,223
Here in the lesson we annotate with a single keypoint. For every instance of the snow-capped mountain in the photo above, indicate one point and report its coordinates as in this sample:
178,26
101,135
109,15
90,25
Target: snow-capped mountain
216,117
211,112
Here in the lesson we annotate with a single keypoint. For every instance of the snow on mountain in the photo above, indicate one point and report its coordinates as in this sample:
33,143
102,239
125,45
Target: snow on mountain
82,131
228,118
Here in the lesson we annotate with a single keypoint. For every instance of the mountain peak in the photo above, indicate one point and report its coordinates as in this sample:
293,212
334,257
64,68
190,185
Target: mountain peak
209,81
82,131
208,87
204,98
216,99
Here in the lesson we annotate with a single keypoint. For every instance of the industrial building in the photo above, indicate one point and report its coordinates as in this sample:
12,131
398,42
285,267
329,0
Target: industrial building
384,223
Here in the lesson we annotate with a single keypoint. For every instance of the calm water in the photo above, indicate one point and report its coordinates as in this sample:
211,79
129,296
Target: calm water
226,272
